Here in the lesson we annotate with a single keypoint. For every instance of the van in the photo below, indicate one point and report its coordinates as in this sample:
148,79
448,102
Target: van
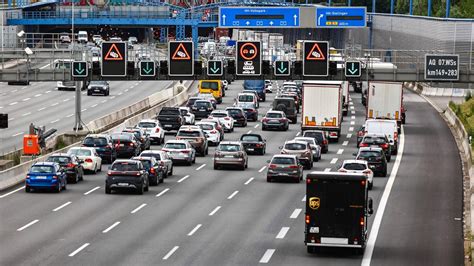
258,86
64,64
82,37
384,126
212,86
286,105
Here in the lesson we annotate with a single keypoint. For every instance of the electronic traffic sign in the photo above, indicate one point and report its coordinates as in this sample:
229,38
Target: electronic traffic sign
316,59
147,68
114,59
80,69
282,68
180,58
352,69
252,17
249,58
215,68
3,120
442,67
341,17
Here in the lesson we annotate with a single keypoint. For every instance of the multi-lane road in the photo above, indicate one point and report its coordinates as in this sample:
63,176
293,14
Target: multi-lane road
202,216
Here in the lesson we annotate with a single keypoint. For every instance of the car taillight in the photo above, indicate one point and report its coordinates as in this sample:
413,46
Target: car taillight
165,150
152,170
385,145
366,172
364,145
70,165
325,141
55,177
226,118
361,222
282,120
131,144
265,120
213,131
88,160
342,170
258,145
157,130
138,174
283,152
395,135
109,173
272,166
293,167
185,151
307,220
360,133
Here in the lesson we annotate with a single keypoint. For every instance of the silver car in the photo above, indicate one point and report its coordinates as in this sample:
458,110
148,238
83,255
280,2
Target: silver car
180,151
315,148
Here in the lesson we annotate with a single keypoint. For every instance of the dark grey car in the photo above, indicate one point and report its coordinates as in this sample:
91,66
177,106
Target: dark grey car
285,167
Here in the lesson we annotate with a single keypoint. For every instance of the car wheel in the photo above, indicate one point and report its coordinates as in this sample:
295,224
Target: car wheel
384,174
263,151
58,188
194,159
140,189
389,158
154,181
246,164
100,167
216,167
89,94
264,128
371,184
171,172
95,169
269,180
27,189
82,175
189,163
108,190
162,179
147,187
65,185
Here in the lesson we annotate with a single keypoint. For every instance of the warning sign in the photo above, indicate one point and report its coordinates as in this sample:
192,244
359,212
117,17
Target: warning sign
316,59
180,58
114,59
249,58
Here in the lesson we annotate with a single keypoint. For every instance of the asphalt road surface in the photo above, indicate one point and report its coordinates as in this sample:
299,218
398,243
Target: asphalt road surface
201,216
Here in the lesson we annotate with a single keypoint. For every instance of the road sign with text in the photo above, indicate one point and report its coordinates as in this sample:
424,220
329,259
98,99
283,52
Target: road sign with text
180,58
282,68
147,68
341,17
79,69
316,59
249,58
114,59
214,68
352,69
255,17
441,67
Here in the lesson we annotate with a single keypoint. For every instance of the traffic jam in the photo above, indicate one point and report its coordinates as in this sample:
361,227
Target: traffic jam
135,159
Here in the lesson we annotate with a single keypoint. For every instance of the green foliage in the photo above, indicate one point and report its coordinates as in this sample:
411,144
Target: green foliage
468,96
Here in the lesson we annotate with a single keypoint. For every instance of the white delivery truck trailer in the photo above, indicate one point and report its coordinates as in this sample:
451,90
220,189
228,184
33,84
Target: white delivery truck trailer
384,101
322,107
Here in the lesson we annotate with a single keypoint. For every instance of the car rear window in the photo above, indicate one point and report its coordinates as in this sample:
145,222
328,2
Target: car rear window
234,111
274,115
121,137
59,159
95,141
316,135
354,166
206,126
147,124
42,169
285,102
246,98
209,85
295,146
368,154
250,138
124,166
202,104
228,147
194,134
178,146
155,155
80,152
169,112
192,100
374,140
281,160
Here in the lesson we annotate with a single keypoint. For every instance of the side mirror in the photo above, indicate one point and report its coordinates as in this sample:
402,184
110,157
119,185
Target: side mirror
370,210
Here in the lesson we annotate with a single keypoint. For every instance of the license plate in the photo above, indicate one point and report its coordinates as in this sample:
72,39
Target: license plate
121,145
123,184
372,166
97,90
202,110
229,156
283,173
250,149
314,230
168,125
41,177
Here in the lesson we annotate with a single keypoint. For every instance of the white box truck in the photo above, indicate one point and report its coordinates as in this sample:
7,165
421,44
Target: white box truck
322,107
385,100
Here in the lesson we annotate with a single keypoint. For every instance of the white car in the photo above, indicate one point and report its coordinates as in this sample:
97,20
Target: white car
153,128
224,118
359,167
225,84
315,148
92,160
180,151
189,118
268,86
213,135
163,159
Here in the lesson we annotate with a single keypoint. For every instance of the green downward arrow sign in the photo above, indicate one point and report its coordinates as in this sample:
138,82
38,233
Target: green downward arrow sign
79,70
147,69
352,70
282,69
214,69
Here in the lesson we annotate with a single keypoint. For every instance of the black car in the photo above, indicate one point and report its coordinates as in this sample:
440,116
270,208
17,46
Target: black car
98,87
125,144
253,144
202,109
143,138
71,165
170,118
251,113
238,114
378,140
103,145
275,119
320,137
127,174
375,157
191,101
155,170
286,105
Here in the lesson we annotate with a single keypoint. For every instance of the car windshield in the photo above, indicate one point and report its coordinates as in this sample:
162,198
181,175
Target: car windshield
176,146
206,126
202,104
80,152
368,154
274,115
250,138
283,160
295,146
42,169
245,98
146,124
374,140
155,155
209,85
194,134
58,159
228,147
354,166
95,141
124,166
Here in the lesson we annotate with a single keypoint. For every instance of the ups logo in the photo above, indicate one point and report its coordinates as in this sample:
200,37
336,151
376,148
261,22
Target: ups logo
314,203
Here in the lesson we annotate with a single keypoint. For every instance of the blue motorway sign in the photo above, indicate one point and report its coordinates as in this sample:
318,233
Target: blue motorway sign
254,17
341,17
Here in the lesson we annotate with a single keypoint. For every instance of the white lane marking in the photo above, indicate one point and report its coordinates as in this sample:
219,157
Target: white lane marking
200,167
327,170
24,87
297,134
14,90
162,192
120,93
126,90
182,179
65,100
334,160
113,97
47,91
340,151
27,225
54,121
214,211
110,227
261,169
54,104
45,66
104,101
351,103
92,190
194,230
17,134
282,233
345,143
351,129
233,194
41,109
69,115
11,192
353,112
304,198
38,95
248,181
62,206
349,136
250,131
79,249
25,114
353,122
383,203
13,103
352,107
92,106
256,125
295,214
83,110
138,208
26,99
11,119
173,250
267,256
353,117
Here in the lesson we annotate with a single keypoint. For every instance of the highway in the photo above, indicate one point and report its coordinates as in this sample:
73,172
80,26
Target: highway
43,104
202,216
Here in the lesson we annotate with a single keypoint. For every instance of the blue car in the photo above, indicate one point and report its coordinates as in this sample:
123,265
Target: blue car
46,175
